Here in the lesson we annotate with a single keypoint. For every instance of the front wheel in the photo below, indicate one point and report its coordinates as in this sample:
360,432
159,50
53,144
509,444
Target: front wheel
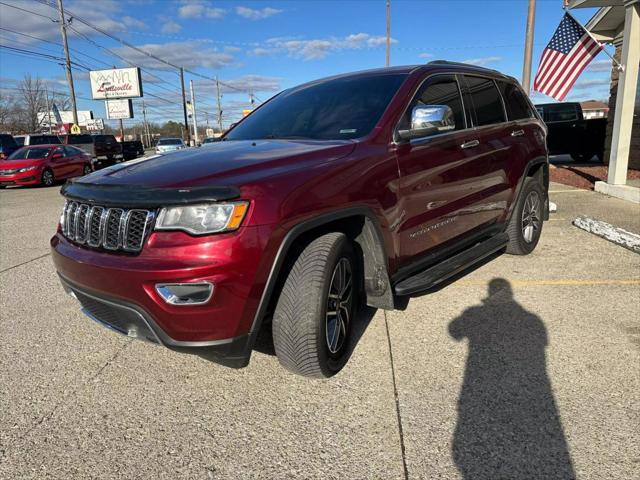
87,170
47,178
315,310
525,225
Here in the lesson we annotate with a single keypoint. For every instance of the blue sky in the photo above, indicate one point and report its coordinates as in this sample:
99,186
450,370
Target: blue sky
265,46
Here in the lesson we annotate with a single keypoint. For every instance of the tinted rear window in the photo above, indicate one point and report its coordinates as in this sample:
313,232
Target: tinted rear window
561,113
486,101
19,140
79,139
518,107
7,141
169,141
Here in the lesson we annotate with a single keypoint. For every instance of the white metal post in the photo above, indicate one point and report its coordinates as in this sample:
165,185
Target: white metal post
625,101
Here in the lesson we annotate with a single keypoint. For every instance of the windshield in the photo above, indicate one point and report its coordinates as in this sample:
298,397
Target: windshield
28,153
338,109
169,141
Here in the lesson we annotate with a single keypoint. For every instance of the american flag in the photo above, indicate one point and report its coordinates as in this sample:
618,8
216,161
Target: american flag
567,55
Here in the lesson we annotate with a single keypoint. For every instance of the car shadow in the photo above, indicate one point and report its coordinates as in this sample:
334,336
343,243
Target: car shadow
508,424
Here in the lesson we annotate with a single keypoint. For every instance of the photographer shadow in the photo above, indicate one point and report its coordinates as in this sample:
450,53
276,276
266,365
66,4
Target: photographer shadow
508,423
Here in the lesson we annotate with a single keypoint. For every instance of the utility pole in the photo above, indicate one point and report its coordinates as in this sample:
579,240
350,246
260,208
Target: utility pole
184,109
46,96
145,125
388,32
528,47
219,105
193,112
72,92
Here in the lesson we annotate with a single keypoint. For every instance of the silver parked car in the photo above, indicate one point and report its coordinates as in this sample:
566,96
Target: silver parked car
165,145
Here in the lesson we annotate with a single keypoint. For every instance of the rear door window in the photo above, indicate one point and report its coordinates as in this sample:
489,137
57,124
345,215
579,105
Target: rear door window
486,100
517,105
37,140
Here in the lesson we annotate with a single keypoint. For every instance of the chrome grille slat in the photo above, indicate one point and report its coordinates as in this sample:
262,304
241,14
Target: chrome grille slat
109,228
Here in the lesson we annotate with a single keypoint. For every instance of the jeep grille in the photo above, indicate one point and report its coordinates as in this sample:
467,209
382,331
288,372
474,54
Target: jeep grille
108,228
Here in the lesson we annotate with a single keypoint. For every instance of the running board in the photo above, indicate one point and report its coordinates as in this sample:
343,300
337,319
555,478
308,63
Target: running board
432,276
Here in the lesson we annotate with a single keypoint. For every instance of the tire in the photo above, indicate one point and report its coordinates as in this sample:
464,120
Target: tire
581,157
303,327
47,179
86,170
524,229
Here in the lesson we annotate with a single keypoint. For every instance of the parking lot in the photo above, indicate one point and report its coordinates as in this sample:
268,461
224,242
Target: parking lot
528,367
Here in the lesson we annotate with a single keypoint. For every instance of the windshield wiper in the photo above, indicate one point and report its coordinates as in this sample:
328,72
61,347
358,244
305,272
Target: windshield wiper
286,137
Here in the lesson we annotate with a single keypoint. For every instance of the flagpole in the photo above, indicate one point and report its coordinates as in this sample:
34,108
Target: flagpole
618,64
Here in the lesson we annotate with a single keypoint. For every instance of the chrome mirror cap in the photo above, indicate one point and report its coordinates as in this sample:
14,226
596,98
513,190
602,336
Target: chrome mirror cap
429,120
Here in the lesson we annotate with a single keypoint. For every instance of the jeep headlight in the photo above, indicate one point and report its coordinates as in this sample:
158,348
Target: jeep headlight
203,218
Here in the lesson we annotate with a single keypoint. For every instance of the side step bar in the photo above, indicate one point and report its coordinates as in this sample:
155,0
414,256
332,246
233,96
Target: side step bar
432,276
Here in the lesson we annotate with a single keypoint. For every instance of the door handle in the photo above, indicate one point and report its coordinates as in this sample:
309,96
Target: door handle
470,144
517,133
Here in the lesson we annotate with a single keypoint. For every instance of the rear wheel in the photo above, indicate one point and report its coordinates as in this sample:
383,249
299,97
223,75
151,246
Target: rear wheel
47,179
581,157
313,315
87,170
525,225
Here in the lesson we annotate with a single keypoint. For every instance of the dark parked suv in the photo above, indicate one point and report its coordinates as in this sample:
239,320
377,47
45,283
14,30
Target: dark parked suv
357,189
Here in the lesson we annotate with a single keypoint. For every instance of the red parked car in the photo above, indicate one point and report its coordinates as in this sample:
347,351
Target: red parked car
43,165
360,188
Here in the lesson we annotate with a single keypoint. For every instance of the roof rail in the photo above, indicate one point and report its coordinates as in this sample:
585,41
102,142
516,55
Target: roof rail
461,64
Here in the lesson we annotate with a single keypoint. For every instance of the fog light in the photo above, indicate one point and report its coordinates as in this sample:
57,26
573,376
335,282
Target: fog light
185,293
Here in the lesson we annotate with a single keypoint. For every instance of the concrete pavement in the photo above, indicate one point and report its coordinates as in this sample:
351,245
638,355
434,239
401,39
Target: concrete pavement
527,367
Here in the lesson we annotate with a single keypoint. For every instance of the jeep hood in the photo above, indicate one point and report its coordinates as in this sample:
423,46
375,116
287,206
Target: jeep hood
220,164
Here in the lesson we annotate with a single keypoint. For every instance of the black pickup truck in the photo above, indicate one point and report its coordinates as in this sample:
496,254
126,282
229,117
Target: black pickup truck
569,132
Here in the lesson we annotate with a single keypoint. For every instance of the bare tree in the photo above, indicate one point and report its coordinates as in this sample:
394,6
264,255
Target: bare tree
33,101
6,111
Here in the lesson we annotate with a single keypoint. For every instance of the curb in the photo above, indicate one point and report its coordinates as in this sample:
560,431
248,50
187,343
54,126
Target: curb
619,236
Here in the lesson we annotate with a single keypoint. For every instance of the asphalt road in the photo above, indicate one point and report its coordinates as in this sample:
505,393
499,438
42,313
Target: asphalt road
525,368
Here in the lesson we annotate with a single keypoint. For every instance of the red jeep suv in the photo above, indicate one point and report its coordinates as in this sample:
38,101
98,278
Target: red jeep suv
357,189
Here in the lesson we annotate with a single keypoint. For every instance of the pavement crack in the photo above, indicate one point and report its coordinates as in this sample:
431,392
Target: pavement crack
395,395
24,263
63,402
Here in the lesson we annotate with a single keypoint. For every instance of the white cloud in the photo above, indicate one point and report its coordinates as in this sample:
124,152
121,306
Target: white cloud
191,54
425,55
257,14
591,83
107,17
246,83
319,48
133,22
171,27
600,66
481,62
200,9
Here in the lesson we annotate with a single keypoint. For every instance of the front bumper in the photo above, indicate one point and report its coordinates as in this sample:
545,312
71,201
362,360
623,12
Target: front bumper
118,290
31,177
129,320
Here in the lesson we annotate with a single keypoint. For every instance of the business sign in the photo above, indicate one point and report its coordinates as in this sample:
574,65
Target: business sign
57,117
119,109
95,125
115,83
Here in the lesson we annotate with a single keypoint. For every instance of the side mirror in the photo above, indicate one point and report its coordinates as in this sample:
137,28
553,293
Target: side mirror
429,120
56,156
